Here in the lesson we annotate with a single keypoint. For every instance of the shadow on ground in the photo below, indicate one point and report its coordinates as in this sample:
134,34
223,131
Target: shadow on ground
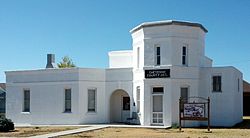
245,124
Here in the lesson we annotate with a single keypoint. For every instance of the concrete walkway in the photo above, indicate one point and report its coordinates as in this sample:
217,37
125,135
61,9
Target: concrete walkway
74,131
92,127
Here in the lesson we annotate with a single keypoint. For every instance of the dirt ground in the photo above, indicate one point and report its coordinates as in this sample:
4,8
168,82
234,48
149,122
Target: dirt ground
241,130
166,133
33,131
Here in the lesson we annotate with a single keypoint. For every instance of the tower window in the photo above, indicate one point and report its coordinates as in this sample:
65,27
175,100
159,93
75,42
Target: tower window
184,55
158,55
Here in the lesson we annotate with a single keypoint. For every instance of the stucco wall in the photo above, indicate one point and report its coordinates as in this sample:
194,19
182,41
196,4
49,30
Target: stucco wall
226,106
47,85
46,103
121,59
171,39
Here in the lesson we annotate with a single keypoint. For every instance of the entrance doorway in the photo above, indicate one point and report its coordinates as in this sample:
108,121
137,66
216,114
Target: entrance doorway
125,108
157,105
119,107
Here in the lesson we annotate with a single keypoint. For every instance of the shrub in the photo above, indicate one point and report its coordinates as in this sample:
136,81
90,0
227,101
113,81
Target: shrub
175,126
6,125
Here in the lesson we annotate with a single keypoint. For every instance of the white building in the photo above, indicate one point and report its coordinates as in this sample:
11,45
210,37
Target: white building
131,88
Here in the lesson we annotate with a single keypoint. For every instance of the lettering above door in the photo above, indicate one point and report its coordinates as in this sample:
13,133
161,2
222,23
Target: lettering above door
157,73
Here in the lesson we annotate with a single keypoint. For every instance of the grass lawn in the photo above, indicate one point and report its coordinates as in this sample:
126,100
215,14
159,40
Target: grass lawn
241,130
33,131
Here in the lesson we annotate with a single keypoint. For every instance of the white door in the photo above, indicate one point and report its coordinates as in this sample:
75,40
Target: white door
157,115
125,108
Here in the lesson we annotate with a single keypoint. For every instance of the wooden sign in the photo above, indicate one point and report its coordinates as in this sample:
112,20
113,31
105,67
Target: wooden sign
194,108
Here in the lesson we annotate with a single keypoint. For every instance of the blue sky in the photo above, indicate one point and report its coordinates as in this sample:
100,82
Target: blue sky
86,30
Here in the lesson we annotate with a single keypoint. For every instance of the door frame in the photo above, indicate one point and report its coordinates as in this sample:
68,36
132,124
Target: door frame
151,114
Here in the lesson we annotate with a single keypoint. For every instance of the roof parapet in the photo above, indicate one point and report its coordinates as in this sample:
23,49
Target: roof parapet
168,22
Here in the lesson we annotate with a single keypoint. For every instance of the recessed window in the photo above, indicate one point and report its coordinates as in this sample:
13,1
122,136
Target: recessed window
158,55
67,100
184,55
138,94
91,100
216,84
26,101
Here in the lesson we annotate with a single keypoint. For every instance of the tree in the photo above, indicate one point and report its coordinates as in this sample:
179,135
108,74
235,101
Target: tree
66,63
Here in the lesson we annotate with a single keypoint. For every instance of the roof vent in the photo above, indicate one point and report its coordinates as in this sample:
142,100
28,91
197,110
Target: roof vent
51,61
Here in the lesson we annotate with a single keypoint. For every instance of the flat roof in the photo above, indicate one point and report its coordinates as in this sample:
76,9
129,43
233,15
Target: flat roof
168,22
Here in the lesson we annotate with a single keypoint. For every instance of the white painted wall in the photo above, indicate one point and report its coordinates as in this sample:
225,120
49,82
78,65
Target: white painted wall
47,85
171,38
47,96
226,106
121,59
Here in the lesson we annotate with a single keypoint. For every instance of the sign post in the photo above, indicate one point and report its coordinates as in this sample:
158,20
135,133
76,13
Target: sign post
194,108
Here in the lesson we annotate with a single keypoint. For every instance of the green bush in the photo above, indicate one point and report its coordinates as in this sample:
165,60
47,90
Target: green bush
6,125
175,126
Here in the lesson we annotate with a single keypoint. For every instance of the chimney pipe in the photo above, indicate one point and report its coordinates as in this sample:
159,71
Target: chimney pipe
51,61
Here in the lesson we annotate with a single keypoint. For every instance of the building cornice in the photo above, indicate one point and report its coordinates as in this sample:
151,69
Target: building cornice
168,22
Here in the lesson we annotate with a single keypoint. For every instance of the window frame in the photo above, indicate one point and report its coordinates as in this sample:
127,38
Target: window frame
157,55
158,92
184,55
25,100
66,110
217,89
95,106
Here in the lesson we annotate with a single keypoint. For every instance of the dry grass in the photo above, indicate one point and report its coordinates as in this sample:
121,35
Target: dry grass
33,131
166,133
241,130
